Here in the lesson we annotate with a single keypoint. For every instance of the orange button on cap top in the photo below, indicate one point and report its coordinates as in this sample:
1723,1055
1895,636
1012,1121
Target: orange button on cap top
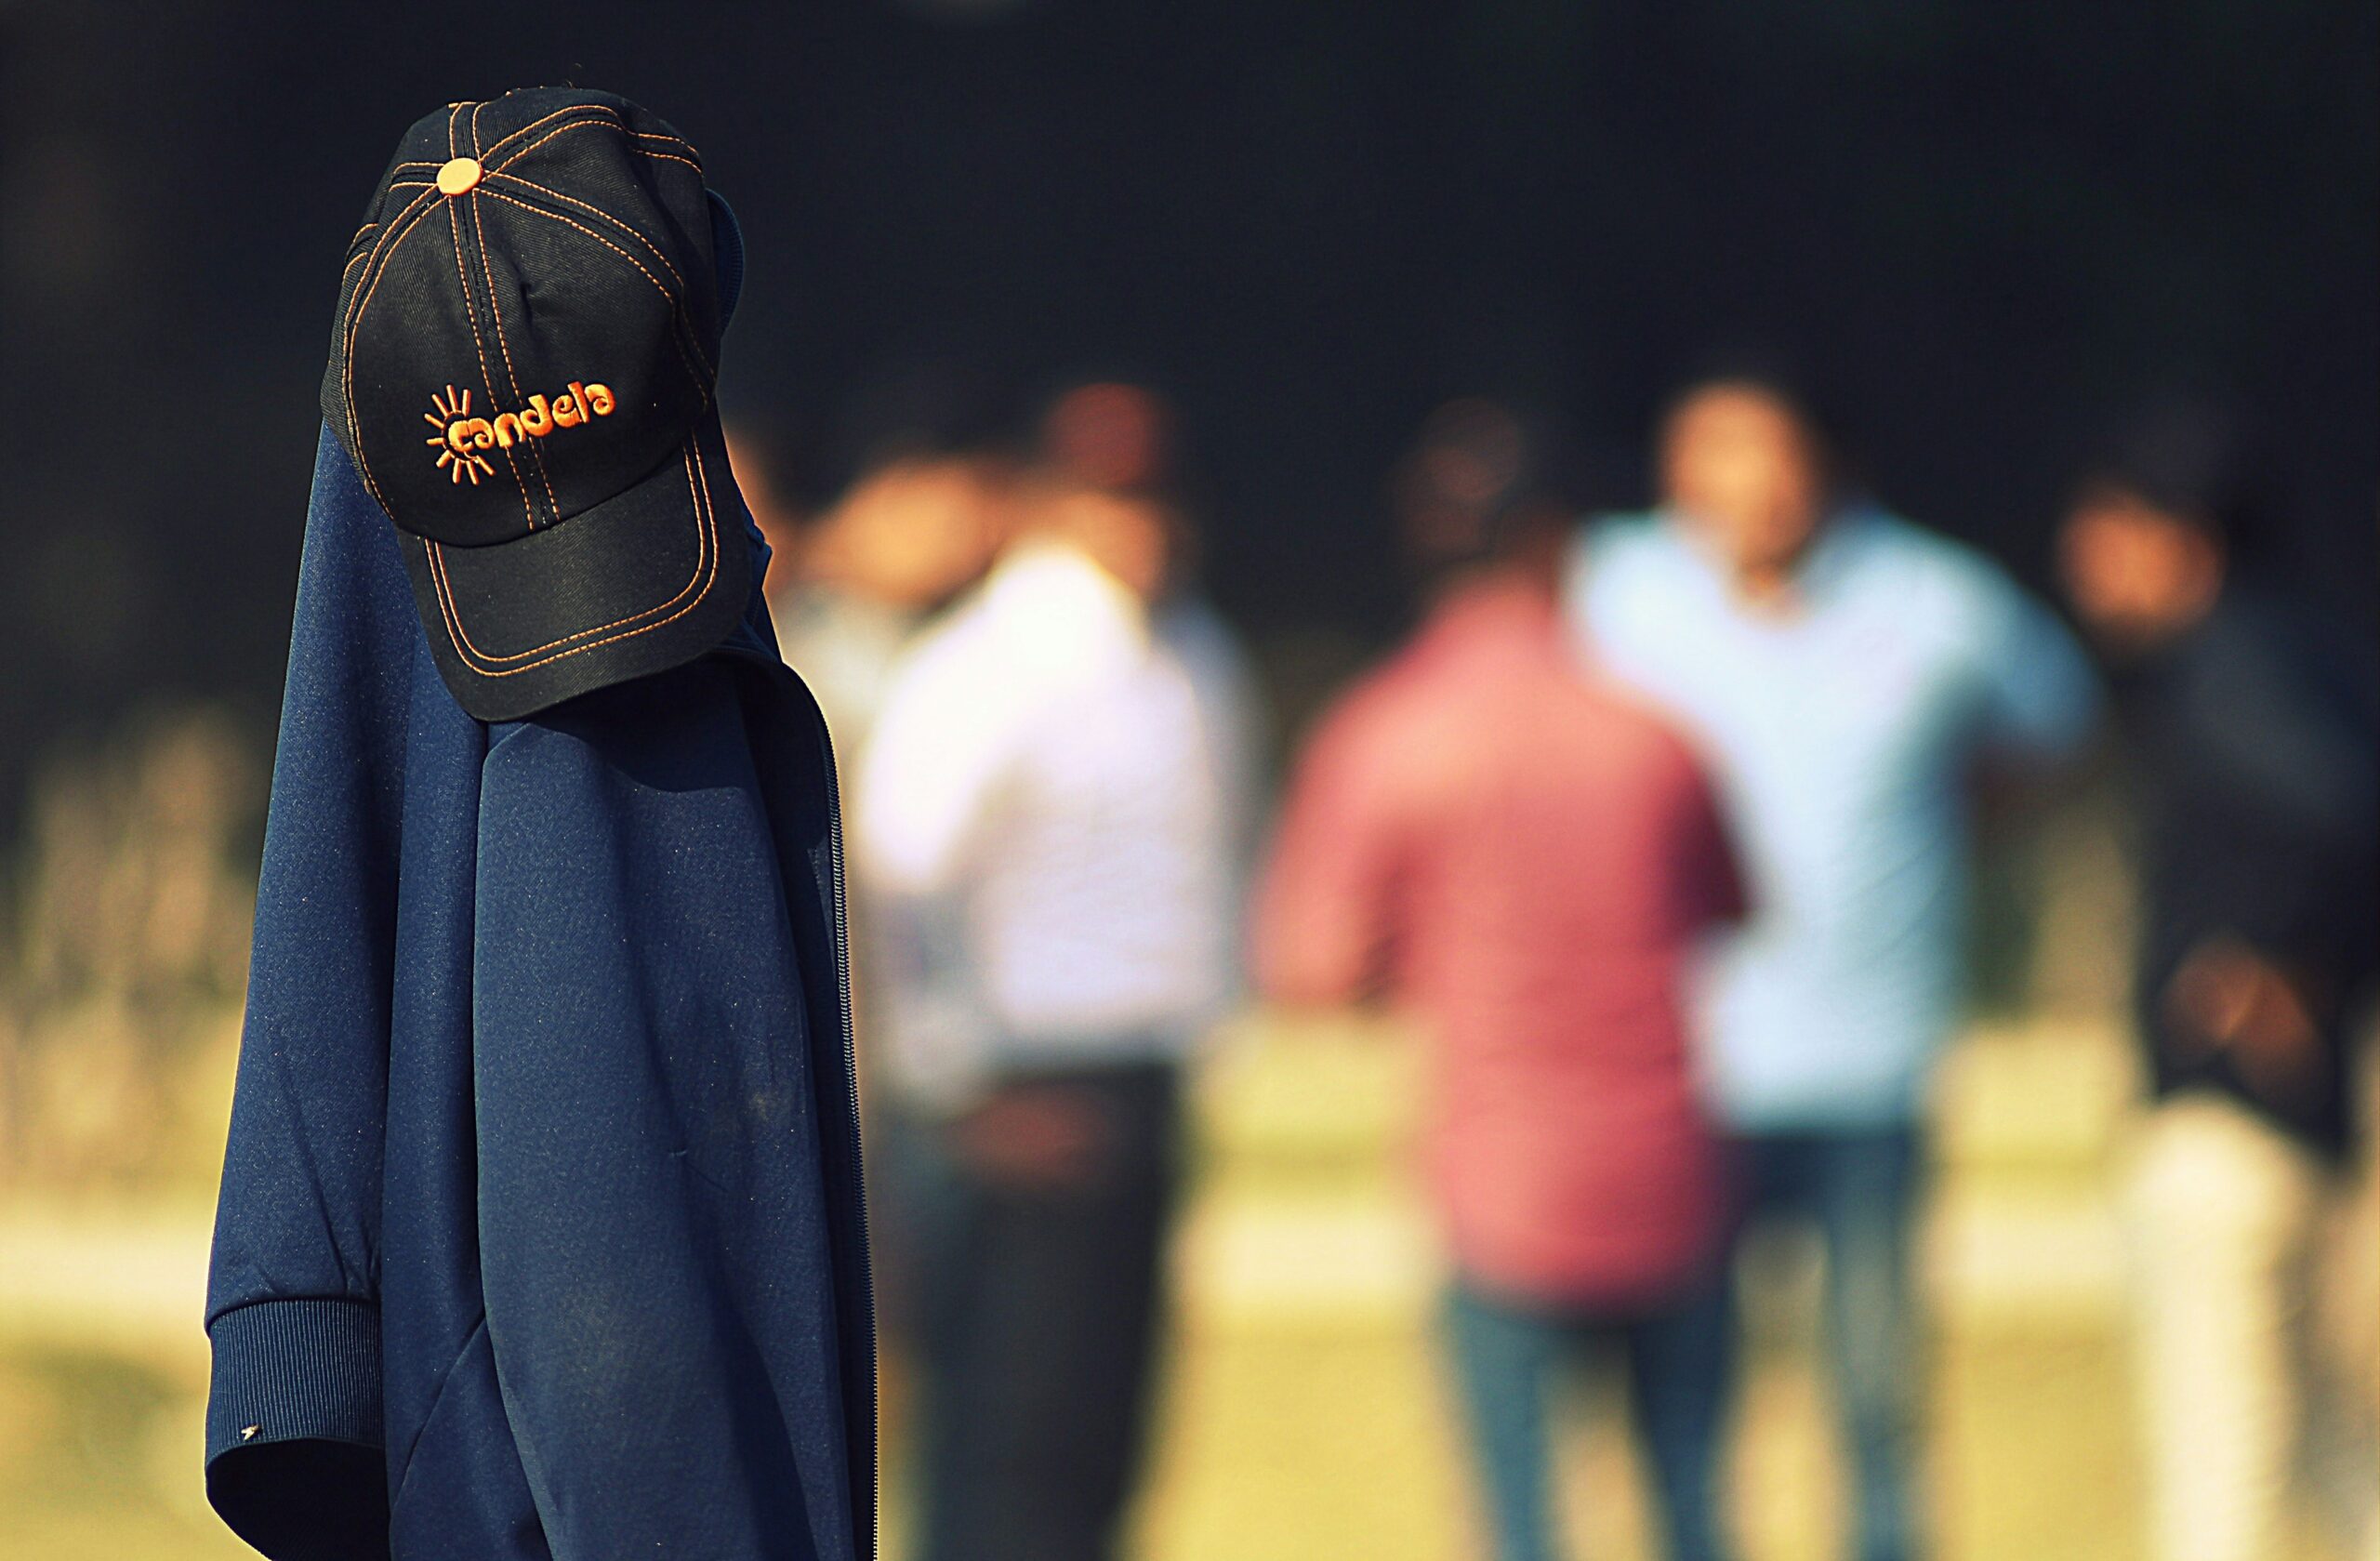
459,176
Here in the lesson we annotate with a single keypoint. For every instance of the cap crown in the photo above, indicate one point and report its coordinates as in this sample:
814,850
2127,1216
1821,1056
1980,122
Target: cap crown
528,321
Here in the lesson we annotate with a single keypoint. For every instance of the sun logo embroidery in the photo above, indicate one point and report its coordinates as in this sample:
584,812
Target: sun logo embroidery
461,438
452,420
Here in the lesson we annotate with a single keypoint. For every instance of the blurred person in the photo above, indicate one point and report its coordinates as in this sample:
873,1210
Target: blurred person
2249,734
1114,437
917,526
851,587
756,452
1108,436
1846,673
1117,438
1524,855
540,1228
1045,816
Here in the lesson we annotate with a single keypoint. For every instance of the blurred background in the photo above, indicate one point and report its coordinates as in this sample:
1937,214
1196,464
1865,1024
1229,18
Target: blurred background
1985,229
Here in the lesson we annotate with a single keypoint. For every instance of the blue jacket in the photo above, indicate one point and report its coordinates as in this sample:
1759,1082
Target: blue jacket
540,1232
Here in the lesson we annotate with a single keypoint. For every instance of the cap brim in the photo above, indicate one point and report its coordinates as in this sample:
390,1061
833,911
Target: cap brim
642,582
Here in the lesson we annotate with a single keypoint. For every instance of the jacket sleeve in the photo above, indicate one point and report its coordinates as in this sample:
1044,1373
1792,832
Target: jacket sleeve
294,1419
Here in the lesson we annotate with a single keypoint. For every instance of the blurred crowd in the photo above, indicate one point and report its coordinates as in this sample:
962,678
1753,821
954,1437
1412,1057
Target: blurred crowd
121,975
1663,826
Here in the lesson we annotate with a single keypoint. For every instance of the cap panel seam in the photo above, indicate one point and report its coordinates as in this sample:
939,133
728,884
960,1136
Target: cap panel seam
709,572
487,271
651,247
393,230
388,225
598,116
648,152
504,141
610,113
677,309
614,122
386,248
487,375
694,153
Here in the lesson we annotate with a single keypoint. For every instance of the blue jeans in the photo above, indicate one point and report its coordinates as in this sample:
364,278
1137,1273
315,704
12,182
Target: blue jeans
1508,1355
1862,1189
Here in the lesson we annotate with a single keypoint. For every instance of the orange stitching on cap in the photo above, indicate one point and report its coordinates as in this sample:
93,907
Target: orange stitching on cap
706,559
475,127
597,237
616,123
386,247
570,108
460,639
677,308
389,226
679,339
487,375
392,233
537,457
651,247
452,110
451,614
707,570
561,130
607,112
622,126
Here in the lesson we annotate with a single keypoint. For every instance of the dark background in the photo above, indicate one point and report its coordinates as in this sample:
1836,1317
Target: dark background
1984,224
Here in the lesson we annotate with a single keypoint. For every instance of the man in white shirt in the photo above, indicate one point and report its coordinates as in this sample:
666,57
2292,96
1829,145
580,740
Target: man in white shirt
1047,816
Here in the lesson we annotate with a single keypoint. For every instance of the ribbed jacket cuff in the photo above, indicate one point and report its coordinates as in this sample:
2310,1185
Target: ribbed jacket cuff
291,1369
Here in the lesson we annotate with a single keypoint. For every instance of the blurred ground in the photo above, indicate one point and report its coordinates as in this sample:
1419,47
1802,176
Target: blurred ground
1305,1417
1309,1418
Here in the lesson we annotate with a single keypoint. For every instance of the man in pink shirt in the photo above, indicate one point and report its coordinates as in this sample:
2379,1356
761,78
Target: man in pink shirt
1526,857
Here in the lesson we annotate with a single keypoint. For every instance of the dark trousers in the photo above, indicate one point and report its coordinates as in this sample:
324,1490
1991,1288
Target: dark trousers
1040,1309
1861,1190
1510,1356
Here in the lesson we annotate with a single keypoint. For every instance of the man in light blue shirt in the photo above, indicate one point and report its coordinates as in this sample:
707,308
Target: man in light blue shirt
1847,674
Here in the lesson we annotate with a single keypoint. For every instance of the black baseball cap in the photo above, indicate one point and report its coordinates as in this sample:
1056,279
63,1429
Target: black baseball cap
524,372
